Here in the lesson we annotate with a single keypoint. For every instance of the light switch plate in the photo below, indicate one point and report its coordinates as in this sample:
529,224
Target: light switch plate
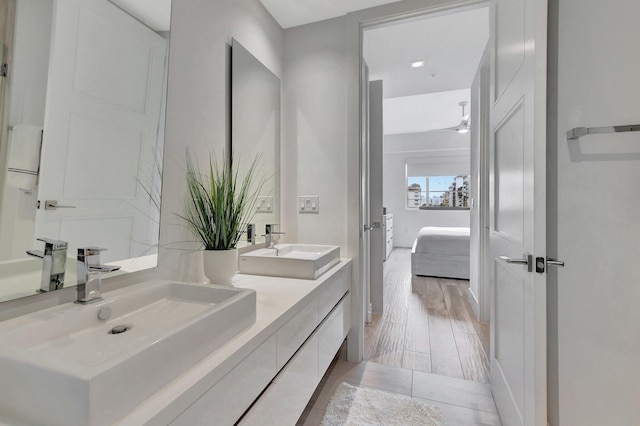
264,204
309,204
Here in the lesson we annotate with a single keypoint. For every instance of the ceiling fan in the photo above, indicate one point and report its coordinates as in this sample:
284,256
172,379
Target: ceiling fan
464,126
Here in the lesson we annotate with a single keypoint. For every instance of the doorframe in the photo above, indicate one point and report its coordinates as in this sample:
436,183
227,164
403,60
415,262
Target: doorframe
484,282
355,349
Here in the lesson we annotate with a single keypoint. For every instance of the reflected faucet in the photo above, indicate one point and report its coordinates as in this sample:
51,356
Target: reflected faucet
268,233
53,258
89,279
251,233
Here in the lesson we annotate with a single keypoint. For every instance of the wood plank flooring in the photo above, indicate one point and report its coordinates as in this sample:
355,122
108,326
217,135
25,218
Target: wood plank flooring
461,402
428,325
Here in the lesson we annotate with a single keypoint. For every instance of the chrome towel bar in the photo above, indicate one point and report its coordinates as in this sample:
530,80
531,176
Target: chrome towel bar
578,132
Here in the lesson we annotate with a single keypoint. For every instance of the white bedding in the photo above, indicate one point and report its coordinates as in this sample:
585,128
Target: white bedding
441,252
444,241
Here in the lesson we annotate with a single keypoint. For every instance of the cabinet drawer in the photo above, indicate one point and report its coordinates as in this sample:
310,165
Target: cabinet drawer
225,402
295,331
333,291
285,399
332,333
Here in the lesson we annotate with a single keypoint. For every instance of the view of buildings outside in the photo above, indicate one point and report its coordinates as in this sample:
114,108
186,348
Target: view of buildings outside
438,191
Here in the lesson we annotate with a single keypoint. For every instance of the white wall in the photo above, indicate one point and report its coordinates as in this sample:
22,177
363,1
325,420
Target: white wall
198,114
438,153
314,142
593,216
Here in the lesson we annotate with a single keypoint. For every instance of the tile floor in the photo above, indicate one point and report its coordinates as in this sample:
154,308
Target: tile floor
461,402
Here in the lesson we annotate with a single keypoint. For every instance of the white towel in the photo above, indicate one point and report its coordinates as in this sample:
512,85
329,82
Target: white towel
24,156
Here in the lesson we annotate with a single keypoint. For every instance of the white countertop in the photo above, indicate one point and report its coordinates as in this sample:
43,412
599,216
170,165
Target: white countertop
276,302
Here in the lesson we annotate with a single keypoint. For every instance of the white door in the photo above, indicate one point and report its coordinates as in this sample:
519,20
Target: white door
518,210
101,128
377,238
365,214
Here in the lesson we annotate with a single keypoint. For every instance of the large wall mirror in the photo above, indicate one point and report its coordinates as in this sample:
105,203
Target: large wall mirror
255,129
82,133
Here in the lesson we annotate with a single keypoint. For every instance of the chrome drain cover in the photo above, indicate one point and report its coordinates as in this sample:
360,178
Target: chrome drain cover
119,329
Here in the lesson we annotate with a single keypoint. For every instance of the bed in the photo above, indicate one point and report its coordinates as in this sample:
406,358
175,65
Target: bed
441,252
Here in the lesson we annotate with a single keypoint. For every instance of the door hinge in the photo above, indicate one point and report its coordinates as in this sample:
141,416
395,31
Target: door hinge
4,70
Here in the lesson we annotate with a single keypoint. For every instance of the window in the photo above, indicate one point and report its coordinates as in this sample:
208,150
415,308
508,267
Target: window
433,192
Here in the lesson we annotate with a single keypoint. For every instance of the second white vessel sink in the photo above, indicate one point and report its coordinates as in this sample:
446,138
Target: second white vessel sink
66,366
306,261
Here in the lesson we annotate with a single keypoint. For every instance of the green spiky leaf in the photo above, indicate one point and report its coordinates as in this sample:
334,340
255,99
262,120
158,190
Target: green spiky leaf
219,204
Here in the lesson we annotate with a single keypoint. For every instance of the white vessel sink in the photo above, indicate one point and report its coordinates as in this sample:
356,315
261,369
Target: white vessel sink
62,366
306,261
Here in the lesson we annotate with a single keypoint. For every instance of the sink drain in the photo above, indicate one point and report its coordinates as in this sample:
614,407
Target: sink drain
119,329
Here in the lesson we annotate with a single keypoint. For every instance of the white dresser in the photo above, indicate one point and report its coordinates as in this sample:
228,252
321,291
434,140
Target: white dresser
387,223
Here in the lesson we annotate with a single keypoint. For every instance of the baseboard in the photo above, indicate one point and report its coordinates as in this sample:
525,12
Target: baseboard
471,298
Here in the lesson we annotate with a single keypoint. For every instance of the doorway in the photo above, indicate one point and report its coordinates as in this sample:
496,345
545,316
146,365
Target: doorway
430,71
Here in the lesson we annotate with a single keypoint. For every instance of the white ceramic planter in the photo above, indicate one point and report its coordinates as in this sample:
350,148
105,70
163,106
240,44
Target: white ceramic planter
220,266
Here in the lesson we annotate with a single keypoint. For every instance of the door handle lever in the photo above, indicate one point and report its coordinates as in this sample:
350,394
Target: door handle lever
516,261
526,261
53,205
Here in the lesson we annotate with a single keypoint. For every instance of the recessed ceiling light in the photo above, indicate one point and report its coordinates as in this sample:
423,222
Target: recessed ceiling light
417,64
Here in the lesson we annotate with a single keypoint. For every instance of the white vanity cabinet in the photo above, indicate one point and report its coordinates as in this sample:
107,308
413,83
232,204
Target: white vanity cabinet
225,402
293,334
285,399
279,377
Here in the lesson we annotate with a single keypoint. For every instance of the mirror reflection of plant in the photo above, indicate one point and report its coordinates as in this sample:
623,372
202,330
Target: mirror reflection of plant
152,185
219,204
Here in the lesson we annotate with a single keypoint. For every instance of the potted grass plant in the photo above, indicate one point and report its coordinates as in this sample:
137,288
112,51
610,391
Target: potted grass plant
217,208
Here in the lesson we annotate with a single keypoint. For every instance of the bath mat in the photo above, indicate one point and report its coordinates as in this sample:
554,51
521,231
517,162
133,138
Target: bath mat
357,406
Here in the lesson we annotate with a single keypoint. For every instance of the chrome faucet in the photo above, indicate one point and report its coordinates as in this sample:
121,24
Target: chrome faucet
89,269
268,232
53,258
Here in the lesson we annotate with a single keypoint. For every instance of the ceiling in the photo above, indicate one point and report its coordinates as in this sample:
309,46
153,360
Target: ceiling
291,13
421,113
451,46
156,14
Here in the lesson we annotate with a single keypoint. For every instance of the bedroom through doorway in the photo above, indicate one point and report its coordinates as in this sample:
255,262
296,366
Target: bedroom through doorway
430,313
